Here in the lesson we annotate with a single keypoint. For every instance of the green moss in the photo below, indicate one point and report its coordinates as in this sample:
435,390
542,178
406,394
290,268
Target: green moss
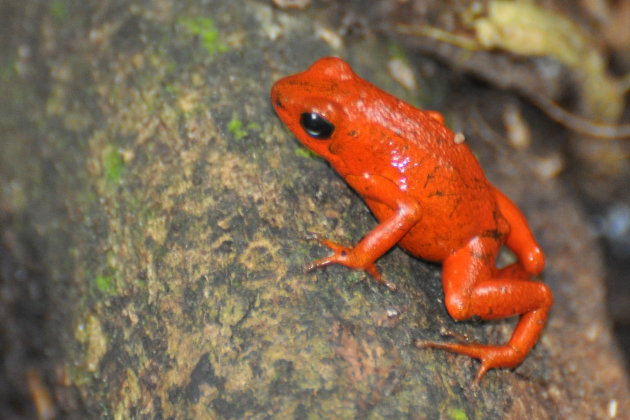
252,126
113,165
457,414
240,130
171,89
105,283
205,29
7,69
305,153
58,9
73,251
235,127
396,51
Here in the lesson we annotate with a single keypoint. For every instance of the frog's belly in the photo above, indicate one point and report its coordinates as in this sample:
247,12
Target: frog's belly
443,229
435,245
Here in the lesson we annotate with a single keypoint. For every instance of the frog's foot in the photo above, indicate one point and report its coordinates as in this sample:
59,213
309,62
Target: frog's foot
490,356
347,256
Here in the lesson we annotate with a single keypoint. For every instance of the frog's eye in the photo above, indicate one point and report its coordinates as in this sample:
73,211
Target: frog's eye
316,126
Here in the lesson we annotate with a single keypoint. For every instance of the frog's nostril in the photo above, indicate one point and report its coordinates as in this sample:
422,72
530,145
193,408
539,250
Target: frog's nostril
278,103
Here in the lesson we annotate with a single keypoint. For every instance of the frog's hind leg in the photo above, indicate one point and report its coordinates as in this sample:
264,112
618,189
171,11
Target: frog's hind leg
520,238
473,287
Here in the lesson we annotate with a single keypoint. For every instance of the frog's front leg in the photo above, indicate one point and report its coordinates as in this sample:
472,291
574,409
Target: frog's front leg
472,287
388,233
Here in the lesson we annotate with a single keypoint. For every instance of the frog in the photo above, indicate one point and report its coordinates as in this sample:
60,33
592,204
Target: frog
430,196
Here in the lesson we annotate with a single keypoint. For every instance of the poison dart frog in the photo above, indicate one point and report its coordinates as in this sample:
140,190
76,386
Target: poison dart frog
430,196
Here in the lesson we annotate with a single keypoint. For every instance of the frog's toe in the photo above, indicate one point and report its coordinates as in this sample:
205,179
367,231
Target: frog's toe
373,271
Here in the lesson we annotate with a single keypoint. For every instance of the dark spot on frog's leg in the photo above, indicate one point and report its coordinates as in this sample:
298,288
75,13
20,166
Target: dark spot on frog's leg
493,233
484,256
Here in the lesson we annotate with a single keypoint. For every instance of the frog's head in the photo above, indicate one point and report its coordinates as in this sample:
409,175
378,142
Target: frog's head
311,104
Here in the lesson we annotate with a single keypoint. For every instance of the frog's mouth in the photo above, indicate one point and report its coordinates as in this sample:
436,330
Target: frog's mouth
280,108
277,98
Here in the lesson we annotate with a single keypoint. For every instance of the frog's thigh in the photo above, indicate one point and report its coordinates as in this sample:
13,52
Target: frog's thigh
463,270
472,287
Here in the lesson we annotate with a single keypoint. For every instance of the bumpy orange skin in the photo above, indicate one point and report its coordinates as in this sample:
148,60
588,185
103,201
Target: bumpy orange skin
430,196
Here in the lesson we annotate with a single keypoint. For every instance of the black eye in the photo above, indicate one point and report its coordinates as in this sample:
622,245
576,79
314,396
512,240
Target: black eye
316,126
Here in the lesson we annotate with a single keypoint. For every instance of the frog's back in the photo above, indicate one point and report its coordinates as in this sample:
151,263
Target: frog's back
456,200
455,206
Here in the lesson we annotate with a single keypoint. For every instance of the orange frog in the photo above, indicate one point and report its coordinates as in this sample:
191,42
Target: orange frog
429,195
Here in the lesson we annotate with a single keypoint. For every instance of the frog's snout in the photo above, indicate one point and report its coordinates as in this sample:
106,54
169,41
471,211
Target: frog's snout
276,97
